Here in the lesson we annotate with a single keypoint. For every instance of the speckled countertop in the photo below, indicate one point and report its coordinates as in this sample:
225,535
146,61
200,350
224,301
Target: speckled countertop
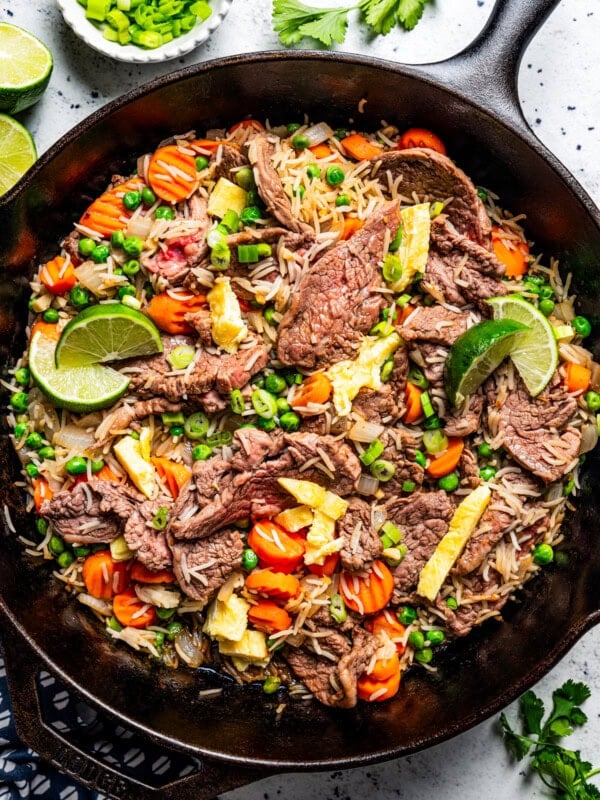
560,95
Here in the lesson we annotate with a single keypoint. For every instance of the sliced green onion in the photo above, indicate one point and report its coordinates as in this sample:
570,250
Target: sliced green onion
435,209
392,268
372,453
201,452
215,237
247,253
236,400
435,441
409,486
219,439
386,369
196,425
181,356
416,376
392,533
337,608
169,418
403,300
231,221
264,403
220,257
383,470
428,409
396,241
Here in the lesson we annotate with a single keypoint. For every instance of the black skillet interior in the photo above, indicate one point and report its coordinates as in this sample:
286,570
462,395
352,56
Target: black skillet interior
475,676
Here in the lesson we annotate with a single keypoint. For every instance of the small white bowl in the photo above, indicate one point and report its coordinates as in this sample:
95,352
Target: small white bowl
74,15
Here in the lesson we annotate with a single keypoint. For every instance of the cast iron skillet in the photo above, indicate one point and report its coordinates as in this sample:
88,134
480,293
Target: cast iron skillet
471,101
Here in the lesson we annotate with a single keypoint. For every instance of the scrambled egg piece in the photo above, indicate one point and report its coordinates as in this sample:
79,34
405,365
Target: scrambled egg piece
414,247
134,457
228,327
226,196
320,540
305,492
350,376
250,649
227,620
294,519
463,523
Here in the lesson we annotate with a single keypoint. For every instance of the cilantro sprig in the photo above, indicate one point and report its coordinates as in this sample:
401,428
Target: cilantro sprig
562,770
294,21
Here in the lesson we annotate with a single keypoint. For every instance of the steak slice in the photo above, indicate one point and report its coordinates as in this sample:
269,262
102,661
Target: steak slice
434,324
226,158
202,566
386,403
270,188
90,512
534,429
460,271
123,417
428,173
423,519
329,665
362,544
149,545
466,419
336,301
400,449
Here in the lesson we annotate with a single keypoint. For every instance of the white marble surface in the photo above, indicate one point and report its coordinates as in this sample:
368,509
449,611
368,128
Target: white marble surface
561,99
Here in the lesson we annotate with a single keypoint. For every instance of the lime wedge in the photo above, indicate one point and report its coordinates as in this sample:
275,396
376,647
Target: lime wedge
80,389
476,354
25,67
108,332
17,152
535,353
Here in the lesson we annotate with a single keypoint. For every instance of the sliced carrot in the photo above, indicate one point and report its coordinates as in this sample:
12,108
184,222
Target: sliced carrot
172,173
447,461
368,591
131,611
47,329
403,313
273,584
351,226
578,377
515,259
253,124
414,409
41,492
58,276
168,312
103,577
172,473
321,150
382,682
142,574
106,474
360,148
314,389
268,617
388,623
210,145
421,137
275,547
328,566
107,213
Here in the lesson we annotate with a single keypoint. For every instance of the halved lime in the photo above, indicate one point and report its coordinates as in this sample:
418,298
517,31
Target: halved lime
535,352
17,152
108,332
25,68
80,389
476,354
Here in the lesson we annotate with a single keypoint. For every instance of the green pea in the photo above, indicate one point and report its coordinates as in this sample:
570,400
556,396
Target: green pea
56,545
289,422
300,142
292,127
269,314
32,471
300,191
253,198
50,315
46,452
334,175
85,246
482,194
249,559
97,465
424,656
165,613
201,452
581,326
282,406
416,640
21,429
82,551
432,423
313,171
19,401
420,458
342,200
592,400
451,603
543,554
173,629
202,163
41,526
487,473
117,238
244,177
79,297
148,196
267,425
76,465
22,376
122,291
133,246
159,640
131,267
132,200
450,482
176,430
65,559
250,215
164,212
407,615
100,253
275,383
271,684
546,307
435,637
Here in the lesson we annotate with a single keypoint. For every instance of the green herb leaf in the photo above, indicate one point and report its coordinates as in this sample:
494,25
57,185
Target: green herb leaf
410,12
381,15
519,746
563,774
293,21
532,712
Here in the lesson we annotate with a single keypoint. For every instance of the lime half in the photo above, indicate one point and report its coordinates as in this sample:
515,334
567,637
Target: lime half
476,354
535,354
80,389
108,332
17,152
25,68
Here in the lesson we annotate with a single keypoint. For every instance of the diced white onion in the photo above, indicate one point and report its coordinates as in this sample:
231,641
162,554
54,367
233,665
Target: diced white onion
589,437
189,648
158,596
318,133
367,484
378,517
73,438
365,431
139,226
103,607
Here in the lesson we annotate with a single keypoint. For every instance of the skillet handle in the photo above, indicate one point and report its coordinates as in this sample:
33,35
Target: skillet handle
487,70
23,667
